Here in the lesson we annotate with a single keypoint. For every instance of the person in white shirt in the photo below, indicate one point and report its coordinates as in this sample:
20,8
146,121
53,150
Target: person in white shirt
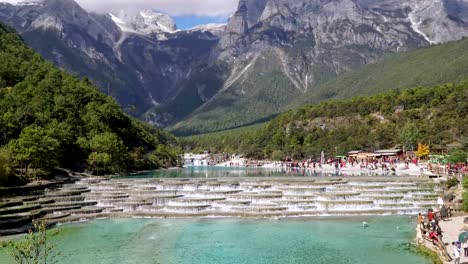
456,253
465,247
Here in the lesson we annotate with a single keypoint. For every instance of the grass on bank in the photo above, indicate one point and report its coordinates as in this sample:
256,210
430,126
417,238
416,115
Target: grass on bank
465,193
427,253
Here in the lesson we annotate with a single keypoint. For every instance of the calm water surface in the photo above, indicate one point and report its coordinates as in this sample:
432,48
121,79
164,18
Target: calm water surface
213,172
210,241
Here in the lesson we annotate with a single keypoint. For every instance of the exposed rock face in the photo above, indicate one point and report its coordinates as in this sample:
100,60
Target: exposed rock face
145,22
269,53
141,61
315,40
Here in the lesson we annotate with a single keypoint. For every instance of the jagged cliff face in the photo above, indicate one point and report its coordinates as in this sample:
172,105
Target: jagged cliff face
215,77
364,29
140,59
308,42
144,22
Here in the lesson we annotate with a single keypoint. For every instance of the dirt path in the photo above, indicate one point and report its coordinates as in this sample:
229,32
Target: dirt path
452,228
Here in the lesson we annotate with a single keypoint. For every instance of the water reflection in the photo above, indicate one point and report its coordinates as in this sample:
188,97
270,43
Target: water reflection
216,172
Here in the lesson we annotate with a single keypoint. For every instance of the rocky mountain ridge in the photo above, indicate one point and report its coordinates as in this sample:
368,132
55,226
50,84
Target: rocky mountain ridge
307,43
145,22
208,78
134,60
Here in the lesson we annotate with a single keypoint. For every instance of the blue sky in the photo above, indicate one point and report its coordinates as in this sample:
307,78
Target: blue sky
187,13
188,21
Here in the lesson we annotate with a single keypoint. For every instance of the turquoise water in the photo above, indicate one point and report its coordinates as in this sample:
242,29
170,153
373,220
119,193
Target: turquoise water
240,241
216,172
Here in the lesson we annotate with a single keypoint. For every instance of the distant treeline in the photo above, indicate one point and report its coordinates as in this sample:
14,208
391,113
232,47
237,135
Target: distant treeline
436,116
51,119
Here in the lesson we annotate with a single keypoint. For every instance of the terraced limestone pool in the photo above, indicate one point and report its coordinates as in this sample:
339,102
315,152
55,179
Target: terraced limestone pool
229,216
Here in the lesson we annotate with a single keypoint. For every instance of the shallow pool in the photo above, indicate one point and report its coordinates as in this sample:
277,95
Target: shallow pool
209,241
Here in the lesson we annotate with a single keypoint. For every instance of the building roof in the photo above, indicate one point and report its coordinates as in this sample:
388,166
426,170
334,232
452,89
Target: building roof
388,151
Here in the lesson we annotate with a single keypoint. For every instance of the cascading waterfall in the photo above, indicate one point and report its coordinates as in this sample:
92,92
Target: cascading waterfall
261,197
91,198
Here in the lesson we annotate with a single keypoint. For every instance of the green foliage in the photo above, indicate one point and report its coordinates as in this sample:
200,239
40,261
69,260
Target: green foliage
451,182
36,147
277,155
269,92
6,166
465,201
428,253
465,193
49,118
354,124
465,183
108,153
35,248
433,65
457,156
254,100
409,135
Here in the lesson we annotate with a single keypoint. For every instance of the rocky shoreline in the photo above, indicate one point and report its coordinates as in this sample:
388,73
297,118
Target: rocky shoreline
451,229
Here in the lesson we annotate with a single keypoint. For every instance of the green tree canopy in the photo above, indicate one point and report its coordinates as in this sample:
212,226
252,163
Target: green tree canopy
49,118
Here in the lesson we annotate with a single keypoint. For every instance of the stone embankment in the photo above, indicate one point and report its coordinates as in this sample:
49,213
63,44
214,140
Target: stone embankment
91,198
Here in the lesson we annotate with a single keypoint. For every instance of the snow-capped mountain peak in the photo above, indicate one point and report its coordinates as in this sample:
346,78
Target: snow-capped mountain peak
145,22
23,3
213,28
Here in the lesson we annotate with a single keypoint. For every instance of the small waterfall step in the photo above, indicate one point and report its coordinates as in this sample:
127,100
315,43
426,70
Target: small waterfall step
186,208
51,210
14,219
10,204
55,216
65,193
224,197
85,210
18,209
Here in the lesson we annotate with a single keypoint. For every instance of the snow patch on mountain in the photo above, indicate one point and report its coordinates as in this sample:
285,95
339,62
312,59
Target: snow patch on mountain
416,25
145,22
213,28
121,24
22,3
157,21
47,22
209,27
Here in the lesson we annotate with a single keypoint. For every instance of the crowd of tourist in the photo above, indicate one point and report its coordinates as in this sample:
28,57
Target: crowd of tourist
431,230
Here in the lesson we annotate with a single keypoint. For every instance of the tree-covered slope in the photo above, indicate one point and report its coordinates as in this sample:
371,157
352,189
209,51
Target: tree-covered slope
49,118
433,65
421,67
434,116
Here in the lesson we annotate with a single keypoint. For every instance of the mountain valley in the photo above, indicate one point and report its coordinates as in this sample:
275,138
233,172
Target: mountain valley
272,54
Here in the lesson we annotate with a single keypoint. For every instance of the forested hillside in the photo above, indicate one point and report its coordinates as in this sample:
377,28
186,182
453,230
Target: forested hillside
51,119
429,66
435,116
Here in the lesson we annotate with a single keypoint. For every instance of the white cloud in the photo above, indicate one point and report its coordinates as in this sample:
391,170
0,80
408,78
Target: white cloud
172,7
212,8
